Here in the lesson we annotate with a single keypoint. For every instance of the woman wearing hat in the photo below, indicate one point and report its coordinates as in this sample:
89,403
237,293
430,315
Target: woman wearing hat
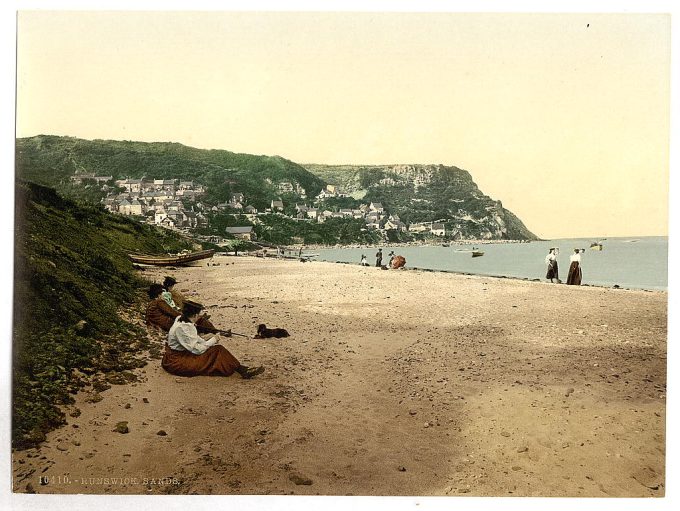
158,312
189,354
172,297
575,274
161,314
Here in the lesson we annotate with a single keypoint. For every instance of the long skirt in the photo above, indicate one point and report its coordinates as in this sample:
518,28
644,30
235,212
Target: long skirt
553,272
574,277
215,361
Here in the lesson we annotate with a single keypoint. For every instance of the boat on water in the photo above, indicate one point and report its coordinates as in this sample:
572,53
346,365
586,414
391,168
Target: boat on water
477,253
596,246
170,260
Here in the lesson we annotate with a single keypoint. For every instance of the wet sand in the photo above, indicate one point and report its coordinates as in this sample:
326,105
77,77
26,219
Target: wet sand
392,383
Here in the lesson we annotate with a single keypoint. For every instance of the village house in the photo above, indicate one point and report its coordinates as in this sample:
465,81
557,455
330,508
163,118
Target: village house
165,184
327,192
420,227
313,213
130,185
438,229
160,215
277,205
250,210
394,225
186,194
377,207
244,233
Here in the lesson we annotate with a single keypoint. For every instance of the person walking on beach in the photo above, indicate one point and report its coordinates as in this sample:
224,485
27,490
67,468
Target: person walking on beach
574,276
378,258
391,254
551,260
189,354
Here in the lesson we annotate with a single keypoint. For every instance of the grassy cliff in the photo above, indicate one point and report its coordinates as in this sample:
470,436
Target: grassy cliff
71,277
52,160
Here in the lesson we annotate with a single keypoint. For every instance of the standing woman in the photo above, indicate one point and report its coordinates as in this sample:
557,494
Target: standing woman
574,277
551,261
189,354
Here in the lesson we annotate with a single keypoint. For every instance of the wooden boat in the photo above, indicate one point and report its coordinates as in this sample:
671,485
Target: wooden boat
477,253
596,246
169,260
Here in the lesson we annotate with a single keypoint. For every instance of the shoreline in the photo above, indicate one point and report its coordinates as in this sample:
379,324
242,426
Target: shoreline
454,272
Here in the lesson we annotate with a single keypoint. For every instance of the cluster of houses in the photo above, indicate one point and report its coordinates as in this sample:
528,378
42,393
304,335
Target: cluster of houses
373,214
176,204
161,201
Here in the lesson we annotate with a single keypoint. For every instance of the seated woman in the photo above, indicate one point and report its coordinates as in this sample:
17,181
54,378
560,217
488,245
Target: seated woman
173,298
188,354
159,313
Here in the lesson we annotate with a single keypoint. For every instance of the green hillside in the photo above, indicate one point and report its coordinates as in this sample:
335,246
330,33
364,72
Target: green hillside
52,160
71,276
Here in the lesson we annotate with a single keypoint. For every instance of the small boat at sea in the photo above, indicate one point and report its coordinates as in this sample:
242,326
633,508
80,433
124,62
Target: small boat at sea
596,246
477,253
170,260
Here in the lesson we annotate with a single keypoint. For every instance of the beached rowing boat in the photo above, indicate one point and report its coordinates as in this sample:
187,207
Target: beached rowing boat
168,260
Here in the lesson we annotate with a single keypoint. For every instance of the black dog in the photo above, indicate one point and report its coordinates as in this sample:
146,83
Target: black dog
263,332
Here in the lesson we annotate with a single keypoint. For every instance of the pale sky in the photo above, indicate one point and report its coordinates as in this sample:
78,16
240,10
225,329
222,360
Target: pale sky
562,117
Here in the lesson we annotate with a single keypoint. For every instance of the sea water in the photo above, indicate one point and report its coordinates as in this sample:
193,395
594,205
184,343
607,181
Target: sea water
640,263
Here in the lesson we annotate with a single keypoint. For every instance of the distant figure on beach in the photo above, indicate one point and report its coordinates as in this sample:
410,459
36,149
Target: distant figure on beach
162,315
391,255
551,260
364,262
300,253
574,276
378,258
189,354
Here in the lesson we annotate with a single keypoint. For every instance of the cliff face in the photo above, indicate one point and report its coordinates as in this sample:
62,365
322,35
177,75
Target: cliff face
428,193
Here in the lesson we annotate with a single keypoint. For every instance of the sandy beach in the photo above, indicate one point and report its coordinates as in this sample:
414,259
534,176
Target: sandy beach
392,383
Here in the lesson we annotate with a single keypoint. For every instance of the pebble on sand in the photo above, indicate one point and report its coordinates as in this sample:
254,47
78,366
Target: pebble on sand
122,427
300,480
